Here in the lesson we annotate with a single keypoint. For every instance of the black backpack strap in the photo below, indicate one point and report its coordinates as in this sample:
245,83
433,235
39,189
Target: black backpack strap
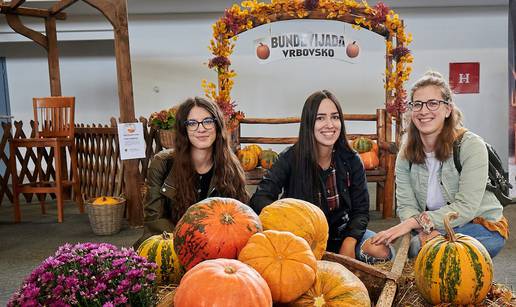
456,153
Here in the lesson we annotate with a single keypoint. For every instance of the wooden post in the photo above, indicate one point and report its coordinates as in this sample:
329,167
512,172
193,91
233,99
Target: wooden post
53,56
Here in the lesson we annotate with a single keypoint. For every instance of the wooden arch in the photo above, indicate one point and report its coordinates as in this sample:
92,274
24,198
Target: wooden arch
116,12
250,14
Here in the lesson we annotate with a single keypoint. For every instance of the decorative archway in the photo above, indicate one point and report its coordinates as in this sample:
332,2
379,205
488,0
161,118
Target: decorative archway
250,14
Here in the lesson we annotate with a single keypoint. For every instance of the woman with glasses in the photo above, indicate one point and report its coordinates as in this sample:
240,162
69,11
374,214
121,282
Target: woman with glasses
428,185
321,168
202,165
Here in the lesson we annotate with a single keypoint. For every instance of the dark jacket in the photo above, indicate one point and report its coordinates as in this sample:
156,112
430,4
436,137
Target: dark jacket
160,196
351,186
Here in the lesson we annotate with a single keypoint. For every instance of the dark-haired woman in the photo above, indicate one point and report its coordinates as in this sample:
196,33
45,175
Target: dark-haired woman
202,165
321,168
428,185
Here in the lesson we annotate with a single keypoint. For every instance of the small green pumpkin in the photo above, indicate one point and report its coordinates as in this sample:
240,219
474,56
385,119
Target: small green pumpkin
160,250
268,158
362,144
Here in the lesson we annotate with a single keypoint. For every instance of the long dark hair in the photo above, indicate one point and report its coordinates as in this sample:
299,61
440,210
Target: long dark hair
228,175
306,167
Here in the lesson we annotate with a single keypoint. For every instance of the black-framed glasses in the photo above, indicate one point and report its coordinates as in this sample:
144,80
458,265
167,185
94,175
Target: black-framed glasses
431,105
208,123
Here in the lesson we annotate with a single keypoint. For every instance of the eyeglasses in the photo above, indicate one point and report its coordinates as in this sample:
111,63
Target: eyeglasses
208,123
431,105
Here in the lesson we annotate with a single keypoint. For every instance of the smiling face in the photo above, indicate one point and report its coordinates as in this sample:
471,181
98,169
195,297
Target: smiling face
201,138
327,124
430,123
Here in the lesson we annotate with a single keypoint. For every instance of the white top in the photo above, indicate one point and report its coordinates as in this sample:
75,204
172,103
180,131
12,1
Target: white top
434,196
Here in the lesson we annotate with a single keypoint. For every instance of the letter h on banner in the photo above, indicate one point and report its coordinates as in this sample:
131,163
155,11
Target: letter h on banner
465,77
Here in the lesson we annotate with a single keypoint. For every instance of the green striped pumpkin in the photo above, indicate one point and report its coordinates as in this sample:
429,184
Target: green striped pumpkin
362,144
455,269
160,250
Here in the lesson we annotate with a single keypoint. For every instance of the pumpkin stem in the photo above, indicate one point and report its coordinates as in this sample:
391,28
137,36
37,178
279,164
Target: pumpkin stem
450,216
165,235
229,269
226,219
319,301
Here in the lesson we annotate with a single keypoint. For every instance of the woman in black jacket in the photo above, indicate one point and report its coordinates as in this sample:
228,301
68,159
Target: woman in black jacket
321,168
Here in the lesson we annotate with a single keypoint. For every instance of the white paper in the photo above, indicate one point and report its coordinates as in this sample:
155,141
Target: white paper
131,141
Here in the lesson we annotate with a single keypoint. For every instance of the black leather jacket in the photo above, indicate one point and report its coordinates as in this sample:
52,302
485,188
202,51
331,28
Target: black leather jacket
351,186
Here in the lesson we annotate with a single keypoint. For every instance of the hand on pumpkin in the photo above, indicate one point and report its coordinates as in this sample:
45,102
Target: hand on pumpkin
348,247
423,237
388,236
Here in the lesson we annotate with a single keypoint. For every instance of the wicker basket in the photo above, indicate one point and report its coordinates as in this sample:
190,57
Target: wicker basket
166,138
106,219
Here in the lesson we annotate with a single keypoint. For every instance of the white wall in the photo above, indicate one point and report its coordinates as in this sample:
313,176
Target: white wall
169,51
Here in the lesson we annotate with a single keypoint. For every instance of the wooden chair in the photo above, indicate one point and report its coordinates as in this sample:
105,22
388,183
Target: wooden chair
54,120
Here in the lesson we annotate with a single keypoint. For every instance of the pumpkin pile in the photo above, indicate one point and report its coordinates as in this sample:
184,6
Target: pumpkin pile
368,152
235,258
253,156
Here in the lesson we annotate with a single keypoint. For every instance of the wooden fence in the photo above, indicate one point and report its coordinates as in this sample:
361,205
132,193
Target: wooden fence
98,157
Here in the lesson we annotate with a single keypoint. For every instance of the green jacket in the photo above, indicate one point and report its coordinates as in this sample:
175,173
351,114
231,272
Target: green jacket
464,193
160,196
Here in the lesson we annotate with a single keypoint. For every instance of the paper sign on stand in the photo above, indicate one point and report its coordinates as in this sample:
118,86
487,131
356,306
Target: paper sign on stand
131,141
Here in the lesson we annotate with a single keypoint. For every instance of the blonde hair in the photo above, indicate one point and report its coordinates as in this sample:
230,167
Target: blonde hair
452,129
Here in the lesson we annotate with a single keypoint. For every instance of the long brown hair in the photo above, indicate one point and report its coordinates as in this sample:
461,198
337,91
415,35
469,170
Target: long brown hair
413,149
228,175
305,150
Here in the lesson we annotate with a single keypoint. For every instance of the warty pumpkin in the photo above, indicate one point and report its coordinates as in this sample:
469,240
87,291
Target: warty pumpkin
222,282
454,269
334,286
160,250
300,218
370,160
214,228
284,260
248,159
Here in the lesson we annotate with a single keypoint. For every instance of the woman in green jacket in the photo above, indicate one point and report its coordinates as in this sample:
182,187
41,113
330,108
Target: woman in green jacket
202,165
428,185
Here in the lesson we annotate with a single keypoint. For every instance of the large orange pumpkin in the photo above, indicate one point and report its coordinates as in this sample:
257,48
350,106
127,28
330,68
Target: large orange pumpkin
248,159
284,260
300,218
334,286
455,269
370,160
222,282
214,228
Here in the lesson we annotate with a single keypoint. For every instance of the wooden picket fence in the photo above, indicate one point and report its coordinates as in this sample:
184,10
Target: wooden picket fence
98,156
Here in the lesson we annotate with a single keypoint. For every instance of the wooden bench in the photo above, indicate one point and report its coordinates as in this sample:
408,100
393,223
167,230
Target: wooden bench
383,176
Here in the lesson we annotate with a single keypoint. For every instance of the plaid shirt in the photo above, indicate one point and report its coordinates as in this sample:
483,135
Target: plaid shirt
332,195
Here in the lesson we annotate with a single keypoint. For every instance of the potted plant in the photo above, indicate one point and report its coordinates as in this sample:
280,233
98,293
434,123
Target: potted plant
164,121
89,274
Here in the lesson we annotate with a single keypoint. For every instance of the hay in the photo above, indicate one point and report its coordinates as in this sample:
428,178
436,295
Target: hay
166,295
408,295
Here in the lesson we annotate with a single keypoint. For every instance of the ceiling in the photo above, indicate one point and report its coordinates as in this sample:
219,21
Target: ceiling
215,6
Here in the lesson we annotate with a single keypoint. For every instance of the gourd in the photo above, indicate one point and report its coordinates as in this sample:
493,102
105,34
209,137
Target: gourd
222,282
300,218
214,228
454,269
284,260
268,158
334,285
160,250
